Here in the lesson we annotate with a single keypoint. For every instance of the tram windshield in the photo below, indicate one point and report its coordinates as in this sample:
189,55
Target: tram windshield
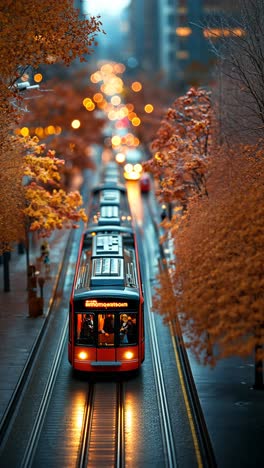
107,329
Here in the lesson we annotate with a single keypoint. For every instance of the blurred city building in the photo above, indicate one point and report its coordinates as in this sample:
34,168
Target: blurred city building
172,38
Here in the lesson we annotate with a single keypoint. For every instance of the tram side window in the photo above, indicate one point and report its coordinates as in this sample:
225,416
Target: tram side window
85,329
128,329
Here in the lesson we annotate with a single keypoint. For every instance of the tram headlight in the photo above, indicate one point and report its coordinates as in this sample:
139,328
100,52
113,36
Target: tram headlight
128,355
83,355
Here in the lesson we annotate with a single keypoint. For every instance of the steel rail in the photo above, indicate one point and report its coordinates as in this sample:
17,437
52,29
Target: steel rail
166,428
103,421
36,430
205,445
27,370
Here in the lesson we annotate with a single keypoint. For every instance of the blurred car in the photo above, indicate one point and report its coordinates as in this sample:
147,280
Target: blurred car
145,183
133,168
132,171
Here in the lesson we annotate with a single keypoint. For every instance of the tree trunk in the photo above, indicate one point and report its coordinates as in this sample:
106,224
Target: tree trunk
27,246
259,384
6,259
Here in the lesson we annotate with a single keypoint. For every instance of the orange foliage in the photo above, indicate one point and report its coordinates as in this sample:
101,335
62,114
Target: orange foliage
31,33
48,209
218,282
12,193
181,148
34,32
56,109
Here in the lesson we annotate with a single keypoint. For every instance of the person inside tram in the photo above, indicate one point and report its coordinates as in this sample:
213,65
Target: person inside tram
132,330
87,330
124,328
108,326
107,330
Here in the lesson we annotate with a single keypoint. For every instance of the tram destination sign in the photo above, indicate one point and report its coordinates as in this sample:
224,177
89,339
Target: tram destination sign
94,304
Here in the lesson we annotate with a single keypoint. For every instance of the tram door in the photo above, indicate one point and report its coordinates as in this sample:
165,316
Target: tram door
106,337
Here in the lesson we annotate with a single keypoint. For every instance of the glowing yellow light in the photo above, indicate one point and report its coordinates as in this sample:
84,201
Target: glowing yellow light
119,68
120,158
128,167
90,106
86,101
98,97
24,131
136,121
116,140
138,167
115,100
219,32
112,115
157,156
123,112
136,86
107,68
148,108
38,77
50,130
39,132
96,77
128,355
183,31
83,355
129,139
102,105
76,123
130,107
132,115
57,130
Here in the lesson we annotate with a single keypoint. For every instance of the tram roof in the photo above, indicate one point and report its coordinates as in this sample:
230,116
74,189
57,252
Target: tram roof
109,228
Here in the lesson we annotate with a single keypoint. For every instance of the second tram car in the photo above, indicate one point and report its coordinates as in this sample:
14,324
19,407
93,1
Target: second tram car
106,330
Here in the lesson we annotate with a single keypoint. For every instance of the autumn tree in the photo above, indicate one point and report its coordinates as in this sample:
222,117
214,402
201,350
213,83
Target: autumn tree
32,33
50,208
181,148
217,288
52,116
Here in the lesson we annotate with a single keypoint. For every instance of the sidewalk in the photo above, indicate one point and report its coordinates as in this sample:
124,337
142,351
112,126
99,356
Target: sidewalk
19,331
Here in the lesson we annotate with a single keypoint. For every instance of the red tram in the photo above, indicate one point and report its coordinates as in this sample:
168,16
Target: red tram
106,317
106,307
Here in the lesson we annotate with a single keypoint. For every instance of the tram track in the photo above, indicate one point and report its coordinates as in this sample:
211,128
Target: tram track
43,408
165,422
102,439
